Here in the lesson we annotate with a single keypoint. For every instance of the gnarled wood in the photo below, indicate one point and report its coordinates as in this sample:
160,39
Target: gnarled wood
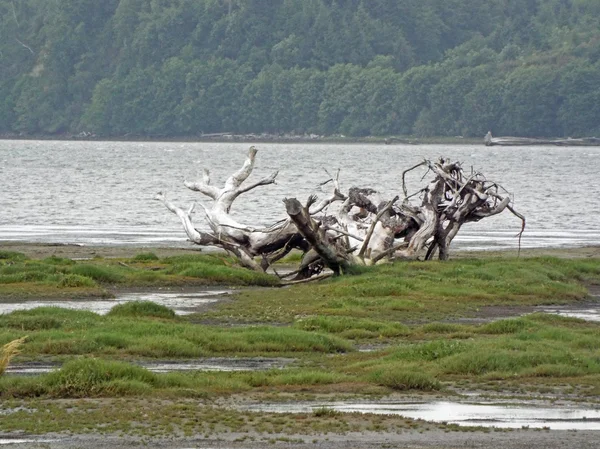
343,230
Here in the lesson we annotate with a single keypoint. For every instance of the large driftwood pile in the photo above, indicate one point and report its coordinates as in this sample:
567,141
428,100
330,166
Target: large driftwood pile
347,228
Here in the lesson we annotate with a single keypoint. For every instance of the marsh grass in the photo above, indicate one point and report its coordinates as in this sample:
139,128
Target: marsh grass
416,291
9,351
11,256
94,377
352,328
141,309
152,331
321,324
21,277
400,379
146,257
527,349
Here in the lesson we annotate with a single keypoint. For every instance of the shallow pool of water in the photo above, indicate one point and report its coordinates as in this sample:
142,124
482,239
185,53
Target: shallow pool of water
181,303
587,314
7,441
208,364
462,414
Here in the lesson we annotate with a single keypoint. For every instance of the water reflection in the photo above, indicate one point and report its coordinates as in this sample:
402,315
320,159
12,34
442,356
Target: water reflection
181,303
462,414
225,364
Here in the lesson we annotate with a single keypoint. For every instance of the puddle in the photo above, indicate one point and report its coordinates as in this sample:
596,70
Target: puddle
221,364
462,414
7,441
587,314
588,311
210,364
9,411
182,303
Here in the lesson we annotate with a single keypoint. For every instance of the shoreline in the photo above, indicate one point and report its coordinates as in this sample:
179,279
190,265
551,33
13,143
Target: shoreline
263,138
37,250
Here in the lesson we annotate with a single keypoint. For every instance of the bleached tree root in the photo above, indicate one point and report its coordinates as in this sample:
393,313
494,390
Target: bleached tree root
343,230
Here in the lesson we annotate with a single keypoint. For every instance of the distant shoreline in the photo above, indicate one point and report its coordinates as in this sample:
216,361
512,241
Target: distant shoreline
263,138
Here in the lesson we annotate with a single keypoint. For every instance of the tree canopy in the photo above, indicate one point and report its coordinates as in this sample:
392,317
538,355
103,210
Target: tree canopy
356,67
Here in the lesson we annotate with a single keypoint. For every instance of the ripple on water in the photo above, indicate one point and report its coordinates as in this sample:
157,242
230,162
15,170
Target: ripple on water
104,202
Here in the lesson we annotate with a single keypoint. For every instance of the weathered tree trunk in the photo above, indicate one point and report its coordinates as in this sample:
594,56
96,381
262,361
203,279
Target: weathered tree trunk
246,242
316,236
345,230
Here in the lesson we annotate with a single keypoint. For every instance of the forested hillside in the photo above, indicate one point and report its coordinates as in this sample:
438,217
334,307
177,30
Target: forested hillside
352,67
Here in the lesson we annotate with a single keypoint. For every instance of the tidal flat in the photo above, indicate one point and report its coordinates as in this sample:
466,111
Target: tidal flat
477,330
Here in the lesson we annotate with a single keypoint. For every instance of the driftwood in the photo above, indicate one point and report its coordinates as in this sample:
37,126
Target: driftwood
489,141
346,229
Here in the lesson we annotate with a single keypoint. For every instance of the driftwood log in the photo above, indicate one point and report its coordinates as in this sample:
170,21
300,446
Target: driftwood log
346,229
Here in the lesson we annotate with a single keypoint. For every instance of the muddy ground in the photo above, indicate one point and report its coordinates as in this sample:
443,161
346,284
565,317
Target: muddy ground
436,439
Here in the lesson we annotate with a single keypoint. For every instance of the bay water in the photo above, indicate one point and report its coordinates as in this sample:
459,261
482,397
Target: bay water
101,193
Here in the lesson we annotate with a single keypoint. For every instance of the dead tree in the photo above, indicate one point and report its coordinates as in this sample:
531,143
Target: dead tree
356,228
246,242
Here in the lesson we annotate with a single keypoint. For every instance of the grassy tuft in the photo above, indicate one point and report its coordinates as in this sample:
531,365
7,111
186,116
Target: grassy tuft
401,380
89,377
145,257
102,274
142,309
352,328
9,351
325,412
509,326
75,281
217,270
54,260
11,255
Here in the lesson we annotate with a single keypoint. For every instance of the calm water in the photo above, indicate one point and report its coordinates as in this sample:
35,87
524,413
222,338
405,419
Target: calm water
102,192
506,416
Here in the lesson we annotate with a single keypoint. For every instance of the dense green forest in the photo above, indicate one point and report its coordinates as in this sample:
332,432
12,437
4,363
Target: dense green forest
353,67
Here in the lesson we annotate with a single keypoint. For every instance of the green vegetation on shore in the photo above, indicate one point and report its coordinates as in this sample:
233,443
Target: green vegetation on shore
409,315
21,277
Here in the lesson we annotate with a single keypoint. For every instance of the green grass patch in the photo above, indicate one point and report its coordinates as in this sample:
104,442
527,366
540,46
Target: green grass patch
399,379
142,309
352,328
101,274
416,291
219,270
11,256
145,257
93,377
133,330
58,277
